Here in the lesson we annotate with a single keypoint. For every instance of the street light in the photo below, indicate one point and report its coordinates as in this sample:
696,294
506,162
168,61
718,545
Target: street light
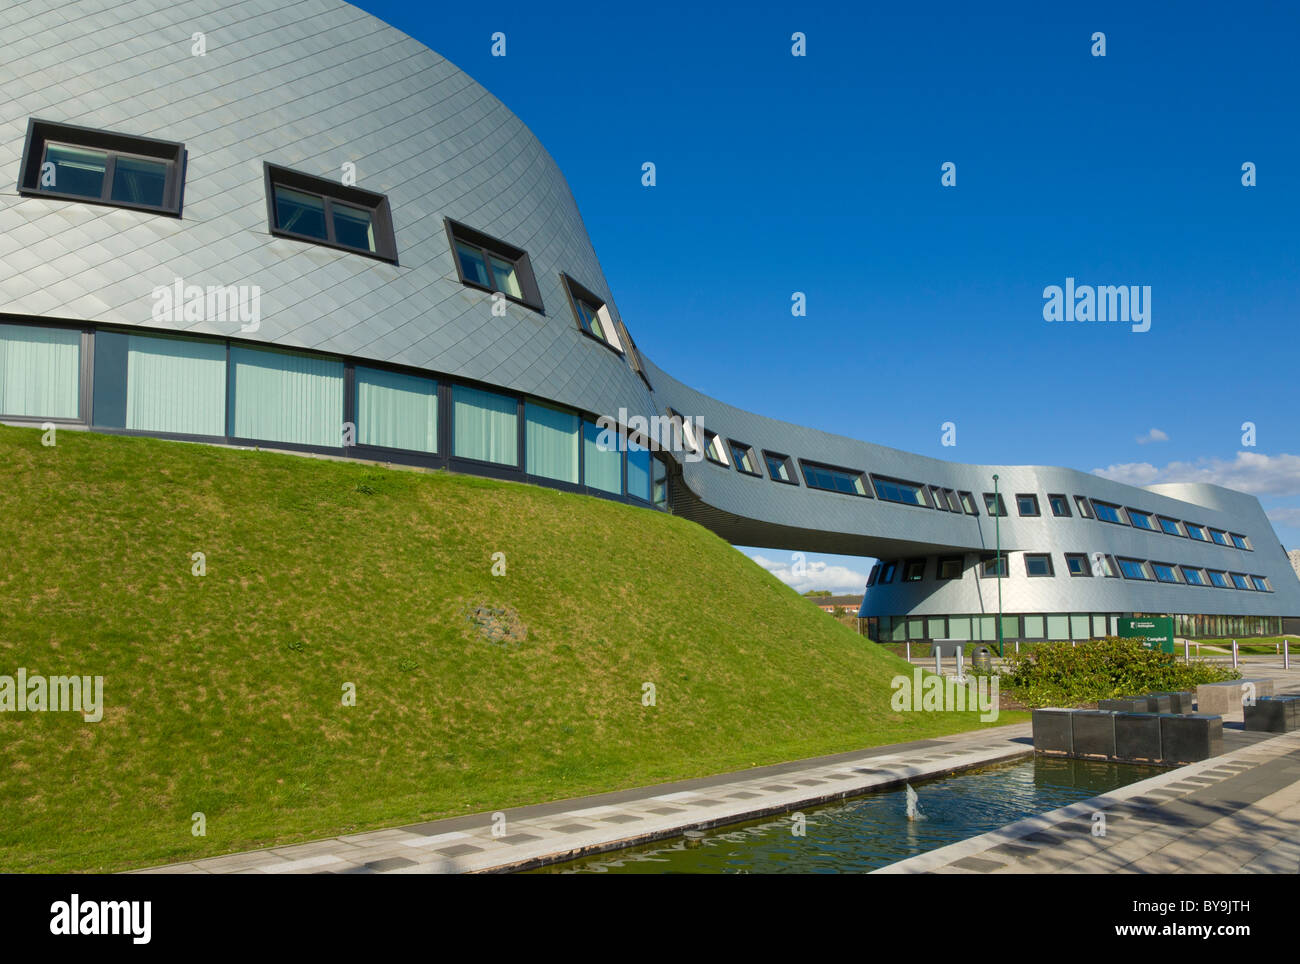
997,529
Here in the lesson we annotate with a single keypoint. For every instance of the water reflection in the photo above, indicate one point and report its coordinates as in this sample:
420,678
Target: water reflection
871,831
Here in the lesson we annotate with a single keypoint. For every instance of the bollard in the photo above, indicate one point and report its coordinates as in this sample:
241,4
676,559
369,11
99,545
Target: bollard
908,646
961,674
1286,654
1017,647
938,662
1187,650
1074,644
1234,654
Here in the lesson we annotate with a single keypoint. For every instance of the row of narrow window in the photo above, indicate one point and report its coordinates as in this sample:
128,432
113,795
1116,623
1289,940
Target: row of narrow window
1039,564
102,167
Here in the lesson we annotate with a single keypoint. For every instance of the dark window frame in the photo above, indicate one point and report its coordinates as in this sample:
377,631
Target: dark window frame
1032,497
1211,573
954,503
887,573
750,451
1142,568
907,568
1051,569
1172,567
1226,543
920,488
961,568
968,503
989,557
1234,536
1065,504
787,461
1079,557
1000,502
1132,513
457,231
577,292
381,216
937,499
1203,529
1162,519
860,475
707,442
41,133
1119,512
1084,507
1203,581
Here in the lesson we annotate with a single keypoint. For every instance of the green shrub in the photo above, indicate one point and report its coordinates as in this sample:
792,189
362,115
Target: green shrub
1058,674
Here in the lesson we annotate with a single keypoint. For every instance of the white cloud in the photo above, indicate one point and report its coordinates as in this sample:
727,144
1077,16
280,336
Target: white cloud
1155,435
1250,472
816,575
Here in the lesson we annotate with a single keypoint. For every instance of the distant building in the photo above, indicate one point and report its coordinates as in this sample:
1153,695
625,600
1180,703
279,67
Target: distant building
828,604
1294,557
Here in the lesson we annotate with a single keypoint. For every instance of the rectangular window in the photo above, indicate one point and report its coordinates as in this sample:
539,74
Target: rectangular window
1108,513
1085,511
968,503
638,470
281,396
1164,572
396,411
892,490
551,442
780,467
1240,581
603,463
1106,564
1077,564
936,498
1058,627
1027,504
1260,583
994,505
592,314
1038,564
887,573
302,207
1034,627
833,479
950,567
1133,569
1239,541
102,167
714,450
959,627
1170,526
173,385
660,470
1197,532
1142,520
914,570
40,371
1192,576
993,566
744,456
936,627
491,264
1219,579
1079,625
1219,536
871,577
1060,506
954,505
484,426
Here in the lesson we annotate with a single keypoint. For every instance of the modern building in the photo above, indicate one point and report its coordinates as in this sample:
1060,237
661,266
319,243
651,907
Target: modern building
290,225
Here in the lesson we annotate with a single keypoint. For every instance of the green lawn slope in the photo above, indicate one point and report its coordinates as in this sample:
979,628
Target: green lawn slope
224,692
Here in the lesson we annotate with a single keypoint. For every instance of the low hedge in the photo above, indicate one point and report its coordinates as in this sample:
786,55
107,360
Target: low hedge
1058,674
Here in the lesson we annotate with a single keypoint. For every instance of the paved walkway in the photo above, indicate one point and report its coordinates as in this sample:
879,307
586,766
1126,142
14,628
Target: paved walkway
553,831
1239,812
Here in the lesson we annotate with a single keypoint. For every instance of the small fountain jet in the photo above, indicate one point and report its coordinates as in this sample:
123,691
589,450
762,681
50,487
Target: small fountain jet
913,808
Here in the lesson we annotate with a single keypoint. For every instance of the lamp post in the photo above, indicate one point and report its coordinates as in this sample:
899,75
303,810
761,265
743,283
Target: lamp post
997,529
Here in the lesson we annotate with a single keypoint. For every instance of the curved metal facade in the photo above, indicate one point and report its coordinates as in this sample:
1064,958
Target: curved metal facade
312,85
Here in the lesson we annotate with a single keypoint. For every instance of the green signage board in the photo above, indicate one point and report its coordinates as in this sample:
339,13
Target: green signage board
1158,631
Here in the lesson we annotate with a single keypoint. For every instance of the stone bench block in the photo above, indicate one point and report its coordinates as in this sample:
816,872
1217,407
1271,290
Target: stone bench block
1093,733
1137,737
1190,737
1225,699
1052,731
1272,714
1125,705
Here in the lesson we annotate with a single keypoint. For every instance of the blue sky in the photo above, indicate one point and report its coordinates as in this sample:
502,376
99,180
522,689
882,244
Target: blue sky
821,174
